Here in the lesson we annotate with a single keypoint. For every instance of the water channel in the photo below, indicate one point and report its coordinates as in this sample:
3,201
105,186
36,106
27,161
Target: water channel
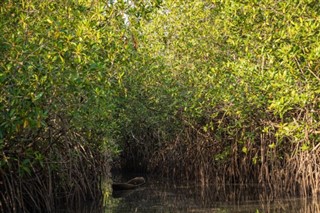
164,196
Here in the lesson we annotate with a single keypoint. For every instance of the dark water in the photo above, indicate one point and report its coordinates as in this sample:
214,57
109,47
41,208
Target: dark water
165,197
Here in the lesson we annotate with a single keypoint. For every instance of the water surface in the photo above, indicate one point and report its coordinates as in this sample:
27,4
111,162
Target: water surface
166,196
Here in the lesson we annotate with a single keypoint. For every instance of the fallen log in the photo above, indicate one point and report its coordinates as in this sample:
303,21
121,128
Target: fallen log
131,184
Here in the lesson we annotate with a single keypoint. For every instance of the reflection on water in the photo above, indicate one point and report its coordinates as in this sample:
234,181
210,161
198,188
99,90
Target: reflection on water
165,197
171,197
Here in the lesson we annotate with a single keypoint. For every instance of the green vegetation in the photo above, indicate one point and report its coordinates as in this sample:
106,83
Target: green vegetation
247,78
212,91
58,61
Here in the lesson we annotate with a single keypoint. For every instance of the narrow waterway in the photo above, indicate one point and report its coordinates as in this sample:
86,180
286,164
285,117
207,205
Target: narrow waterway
167,196
164,196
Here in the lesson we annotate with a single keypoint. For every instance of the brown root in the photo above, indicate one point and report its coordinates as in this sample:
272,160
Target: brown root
68,170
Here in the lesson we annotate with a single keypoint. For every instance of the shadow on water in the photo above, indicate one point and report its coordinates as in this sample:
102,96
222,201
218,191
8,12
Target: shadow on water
160,196
165,196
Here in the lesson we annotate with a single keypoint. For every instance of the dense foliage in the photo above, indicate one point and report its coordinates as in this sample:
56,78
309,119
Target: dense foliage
224,91
240,79
247,73
59,60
